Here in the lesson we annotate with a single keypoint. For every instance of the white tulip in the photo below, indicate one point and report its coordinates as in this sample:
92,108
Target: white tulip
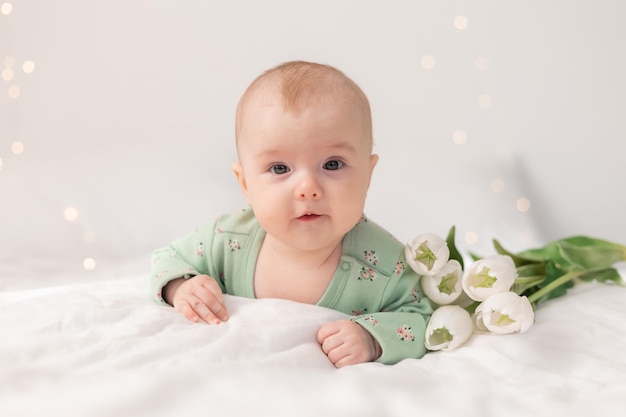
427,254
448,328
444,287
490,275
503,313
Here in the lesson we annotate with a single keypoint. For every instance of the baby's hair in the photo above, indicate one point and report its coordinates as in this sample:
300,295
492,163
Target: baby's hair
297,81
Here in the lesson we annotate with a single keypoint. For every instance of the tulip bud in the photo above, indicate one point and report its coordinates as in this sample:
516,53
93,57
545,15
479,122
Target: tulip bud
427,254
488,276
504,312
449,327
445,286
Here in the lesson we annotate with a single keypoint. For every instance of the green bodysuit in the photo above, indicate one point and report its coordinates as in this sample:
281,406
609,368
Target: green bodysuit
373,282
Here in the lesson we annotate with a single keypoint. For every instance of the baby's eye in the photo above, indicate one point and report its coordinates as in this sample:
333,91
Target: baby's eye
279,169
333,165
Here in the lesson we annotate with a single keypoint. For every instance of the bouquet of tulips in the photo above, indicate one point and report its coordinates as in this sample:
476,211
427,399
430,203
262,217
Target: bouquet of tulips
499,293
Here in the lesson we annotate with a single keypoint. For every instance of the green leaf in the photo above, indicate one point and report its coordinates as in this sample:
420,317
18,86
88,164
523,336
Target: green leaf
531,269
474,256
581,240
578,252
518,260
589,253
454,252
471,308
549,252
603,275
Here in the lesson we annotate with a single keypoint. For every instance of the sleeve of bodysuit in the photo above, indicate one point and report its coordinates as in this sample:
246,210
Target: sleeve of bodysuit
401,325
183,258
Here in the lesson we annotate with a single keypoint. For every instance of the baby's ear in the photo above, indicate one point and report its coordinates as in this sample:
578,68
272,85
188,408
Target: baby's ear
241,178
373,162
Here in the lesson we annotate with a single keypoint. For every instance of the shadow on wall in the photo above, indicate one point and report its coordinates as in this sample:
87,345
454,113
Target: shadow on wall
484,197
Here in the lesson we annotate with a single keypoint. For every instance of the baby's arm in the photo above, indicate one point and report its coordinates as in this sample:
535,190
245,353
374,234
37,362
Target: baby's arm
197,298
182,277
395,325
347,343
400,325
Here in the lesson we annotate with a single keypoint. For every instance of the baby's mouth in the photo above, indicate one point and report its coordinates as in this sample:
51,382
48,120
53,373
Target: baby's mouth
308,217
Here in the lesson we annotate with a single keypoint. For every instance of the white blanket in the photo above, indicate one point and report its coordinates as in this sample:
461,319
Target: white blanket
105,349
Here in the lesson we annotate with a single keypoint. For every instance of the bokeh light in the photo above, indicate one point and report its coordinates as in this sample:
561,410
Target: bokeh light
89,264
428,62
6,8
70,214
497,185
459,137
17,148
14,92
28,67
523,204
485,101
471,237
7,74
460,22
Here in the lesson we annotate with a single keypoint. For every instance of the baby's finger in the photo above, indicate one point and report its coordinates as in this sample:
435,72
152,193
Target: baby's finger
338,355
214,301
326,330
204,311
331,344
188,312
345,361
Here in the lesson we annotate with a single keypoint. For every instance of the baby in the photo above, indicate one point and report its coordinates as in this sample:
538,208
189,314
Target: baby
304,143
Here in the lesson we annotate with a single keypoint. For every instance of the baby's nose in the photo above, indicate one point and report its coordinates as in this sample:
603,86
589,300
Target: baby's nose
308,188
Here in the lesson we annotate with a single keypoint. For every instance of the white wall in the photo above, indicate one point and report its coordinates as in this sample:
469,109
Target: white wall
128,117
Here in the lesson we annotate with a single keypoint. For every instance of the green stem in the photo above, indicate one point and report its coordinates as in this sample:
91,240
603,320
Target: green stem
554,284
535,279
522,284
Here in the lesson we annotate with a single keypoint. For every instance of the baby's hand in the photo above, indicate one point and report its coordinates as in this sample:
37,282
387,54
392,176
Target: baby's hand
198,298
347,343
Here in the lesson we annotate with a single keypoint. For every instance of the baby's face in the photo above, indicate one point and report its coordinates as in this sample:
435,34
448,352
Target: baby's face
305,173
